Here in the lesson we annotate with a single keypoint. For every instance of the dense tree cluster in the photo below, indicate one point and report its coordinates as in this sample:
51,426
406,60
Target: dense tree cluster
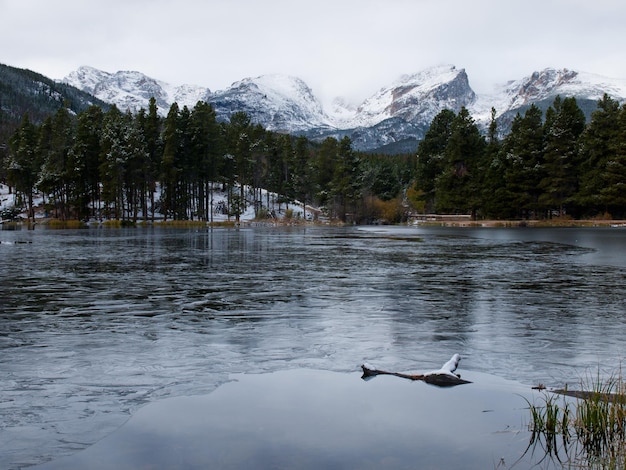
552,165
26,92
109,164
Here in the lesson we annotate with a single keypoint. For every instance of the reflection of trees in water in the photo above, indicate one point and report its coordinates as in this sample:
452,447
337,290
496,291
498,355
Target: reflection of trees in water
566,451
587,433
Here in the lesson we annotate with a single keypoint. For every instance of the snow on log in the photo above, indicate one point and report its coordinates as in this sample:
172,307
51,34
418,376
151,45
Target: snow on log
444,377
452,364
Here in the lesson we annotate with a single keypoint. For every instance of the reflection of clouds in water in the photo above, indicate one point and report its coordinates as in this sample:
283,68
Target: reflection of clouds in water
96,323
313,419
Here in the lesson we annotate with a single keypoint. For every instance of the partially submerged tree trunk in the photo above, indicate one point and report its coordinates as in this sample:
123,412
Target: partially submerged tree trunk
444,377
590,395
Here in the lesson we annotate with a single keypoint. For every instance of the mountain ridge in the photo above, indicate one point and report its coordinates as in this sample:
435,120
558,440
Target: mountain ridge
25,92
393,119
399,112
132,90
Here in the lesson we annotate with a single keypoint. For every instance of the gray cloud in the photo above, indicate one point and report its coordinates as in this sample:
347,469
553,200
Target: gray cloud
342,47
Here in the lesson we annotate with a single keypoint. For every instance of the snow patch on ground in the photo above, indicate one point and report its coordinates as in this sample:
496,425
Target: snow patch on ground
270,204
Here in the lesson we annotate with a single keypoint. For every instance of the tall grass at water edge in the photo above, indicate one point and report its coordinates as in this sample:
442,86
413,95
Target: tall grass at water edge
586,432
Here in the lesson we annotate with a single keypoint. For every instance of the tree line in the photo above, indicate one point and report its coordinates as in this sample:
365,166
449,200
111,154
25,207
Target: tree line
548,165
109,164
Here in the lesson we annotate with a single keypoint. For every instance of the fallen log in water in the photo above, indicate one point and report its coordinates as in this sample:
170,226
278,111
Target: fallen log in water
591,395
444,377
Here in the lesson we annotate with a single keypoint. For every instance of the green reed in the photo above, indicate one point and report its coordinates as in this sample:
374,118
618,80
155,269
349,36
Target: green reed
587,433
600,423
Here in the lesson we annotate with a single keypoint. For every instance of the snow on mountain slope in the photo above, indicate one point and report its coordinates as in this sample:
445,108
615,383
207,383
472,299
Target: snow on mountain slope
341,111
86,78
550,82
281,103
418,97
546,85
130,90
397,113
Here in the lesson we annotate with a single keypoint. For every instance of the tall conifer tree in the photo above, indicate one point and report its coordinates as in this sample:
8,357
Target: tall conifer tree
600,147
564,124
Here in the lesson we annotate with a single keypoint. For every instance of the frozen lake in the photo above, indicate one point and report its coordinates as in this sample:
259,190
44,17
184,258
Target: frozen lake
95,324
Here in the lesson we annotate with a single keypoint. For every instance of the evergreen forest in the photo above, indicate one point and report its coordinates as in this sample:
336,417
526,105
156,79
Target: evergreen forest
104,163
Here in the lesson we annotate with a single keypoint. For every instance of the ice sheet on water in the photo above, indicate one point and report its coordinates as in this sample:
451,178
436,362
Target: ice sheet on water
96,324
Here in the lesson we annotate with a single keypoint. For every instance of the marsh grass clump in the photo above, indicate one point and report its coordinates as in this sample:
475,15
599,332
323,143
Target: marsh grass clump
183,223
550,426
600,423
589,432
65,224
263,214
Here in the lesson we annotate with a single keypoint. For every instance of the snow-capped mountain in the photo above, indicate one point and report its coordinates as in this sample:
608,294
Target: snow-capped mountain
550,82
281,103
542,87
416,98
397,114
403,111
130,90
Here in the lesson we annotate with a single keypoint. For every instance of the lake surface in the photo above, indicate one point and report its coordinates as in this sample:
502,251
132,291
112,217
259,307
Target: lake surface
97,323
310,420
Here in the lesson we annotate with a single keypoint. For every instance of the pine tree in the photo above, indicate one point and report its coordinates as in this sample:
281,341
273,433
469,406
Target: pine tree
302,172
286,189
188,169
520,165
136,162
83,162
614,191
324,168
600,147
54,145
431,154
206,150
273,178
492,171
258,166
565,122
240,141
24,163
150,125
113,162
169,163
346,186
458,185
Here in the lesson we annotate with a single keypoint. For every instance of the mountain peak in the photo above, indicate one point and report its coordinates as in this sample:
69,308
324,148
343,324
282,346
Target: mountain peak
86,78
431,76
419,96
543,86
131,90
279,83
283,103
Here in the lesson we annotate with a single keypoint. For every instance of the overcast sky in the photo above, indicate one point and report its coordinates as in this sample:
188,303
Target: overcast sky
348,48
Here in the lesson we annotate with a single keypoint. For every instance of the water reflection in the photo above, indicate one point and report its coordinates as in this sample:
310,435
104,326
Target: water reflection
313,419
